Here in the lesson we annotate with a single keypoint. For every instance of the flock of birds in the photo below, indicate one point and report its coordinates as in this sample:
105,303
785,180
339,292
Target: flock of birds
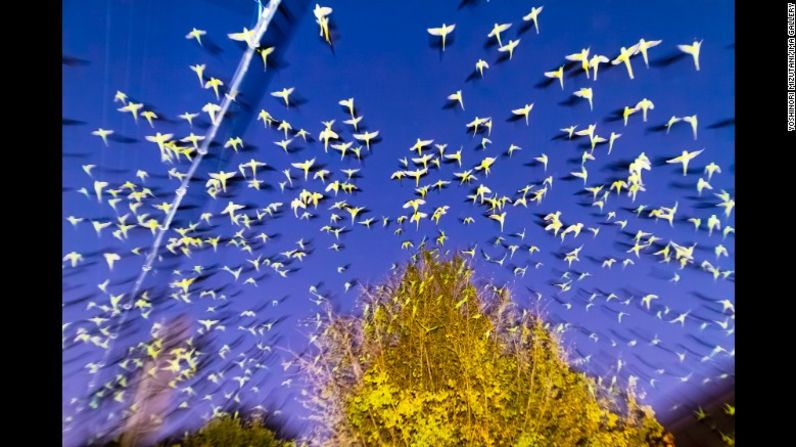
214,368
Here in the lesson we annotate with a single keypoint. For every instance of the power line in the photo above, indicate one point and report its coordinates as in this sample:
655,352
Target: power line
262,25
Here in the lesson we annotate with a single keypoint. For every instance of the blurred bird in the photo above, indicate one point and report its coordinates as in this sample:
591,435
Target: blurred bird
558,74
457,96
480,66
586,93
264,53
692,120
693,50
246,35
322,14
196,34
199,69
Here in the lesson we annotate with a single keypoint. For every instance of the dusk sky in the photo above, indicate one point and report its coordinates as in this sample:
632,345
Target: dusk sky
384,58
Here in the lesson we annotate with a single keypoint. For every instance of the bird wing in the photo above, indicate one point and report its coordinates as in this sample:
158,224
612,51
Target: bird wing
686,49
322,11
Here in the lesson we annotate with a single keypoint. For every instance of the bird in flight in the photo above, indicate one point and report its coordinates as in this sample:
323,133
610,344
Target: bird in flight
214,83
102,133
624,57
348,103
199,69
543,159
264,53
322,14
644,45
583,57
247,35
367,137
586,93
442,31
533,16
457,96
509,47
196,34
480,65
692,50
305,166
558,74
284,94
711,169
692,120
73,258
340,200
524,111
188,117
149,116
684,159
132,108
672,121
497,29
594,63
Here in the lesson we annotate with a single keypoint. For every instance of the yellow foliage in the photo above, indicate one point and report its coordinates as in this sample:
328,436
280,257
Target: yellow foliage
419,370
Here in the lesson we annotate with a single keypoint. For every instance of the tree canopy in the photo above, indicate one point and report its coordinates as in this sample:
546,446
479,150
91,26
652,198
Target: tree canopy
227,431
434,360
233,432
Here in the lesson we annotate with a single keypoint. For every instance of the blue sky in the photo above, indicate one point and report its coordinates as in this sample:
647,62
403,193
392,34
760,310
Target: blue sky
384,58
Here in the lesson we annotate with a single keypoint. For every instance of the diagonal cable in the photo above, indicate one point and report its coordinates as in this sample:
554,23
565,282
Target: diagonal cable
262,25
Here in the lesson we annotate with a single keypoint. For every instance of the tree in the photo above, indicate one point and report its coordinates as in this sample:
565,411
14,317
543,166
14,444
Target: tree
230,431
227,431
435,361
